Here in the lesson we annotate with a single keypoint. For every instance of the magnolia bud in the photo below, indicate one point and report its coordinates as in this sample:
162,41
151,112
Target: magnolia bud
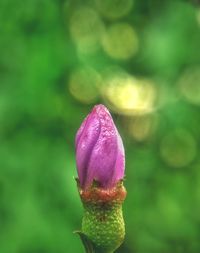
99,150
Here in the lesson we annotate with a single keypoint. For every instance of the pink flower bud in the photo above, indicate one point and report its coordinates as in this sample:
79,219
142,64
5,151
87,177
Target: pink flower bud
99,150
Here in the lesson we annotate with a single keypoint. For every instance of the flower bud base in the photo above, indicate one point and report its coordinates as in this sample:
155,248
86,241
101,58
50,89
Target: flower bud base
103,222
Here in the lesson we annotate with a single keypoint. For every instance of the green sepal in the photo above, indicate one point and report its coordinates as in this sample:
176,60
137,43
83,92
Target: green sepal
88,245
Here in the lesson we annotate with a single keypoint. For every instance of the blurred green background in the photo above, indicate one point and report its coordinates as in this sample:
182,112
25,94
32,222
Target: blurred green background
139,58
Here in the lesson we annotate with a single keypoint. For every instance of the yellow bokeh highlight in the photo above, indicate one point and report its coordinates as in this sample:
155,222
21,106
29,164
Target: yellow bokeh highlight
84,84
178,148
114,9
142,128
189,85
128,95
86,28
120,41
198,16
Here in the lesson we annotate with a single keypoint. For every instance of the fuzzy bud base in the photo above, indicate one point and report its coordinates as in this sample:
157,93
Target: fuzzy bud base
103,221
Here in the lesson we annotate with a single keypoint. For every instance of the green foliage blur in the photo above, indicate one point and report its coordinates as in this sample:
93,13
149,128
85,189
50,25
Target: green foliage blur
53,57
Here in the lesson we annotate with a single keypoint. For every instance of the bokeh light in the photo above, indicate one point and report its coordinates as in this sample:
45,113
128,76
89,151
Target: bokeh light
178,148
189,85
84,84
127,95
86,29
120,41
142,128
198,16
114,9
